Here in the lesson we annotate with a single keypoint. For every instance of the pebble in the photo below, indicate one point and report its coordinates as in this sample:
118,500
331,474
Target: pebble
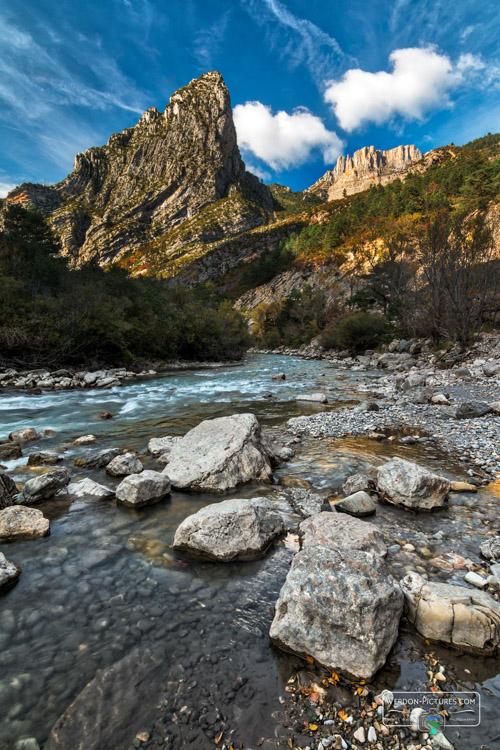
476,580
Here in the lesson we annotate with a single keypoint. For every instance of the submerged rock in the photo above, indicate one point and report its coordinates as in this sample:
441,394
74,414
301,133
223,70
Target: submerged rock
123,465
104,714
358,505
339,606
88,488
43,487
9,572
304,502
145,488
340,530
455,615
231,530
220,454
405,483
18,522
43,459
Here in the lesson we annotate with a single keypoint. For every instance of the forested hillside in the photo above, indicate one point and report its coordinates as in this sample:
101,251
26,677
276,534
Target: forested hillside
419,256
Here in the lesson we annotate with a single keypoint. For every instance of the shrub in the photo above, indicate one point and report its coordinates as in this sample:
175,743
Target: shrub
356,331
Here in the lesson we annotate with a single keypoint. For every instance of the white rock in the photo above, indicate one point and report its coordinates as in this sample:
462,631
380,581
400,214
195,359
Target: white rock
318,398
476,580
88,488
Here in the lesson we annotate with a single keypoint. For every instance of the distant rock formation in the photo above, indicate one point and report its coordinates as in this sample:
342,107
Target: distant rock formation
153,183
365,168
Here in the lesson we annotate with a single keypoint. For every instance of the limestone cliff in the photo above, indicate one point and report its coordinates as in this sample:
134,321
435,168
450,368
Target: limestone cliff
365,168
175,178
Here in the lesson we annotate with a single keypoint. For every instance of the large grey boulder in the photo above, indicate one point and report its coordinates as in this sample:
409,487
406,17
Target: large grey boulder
340,606
462,617
10,451
220,454
43,487
123,465
339,530
9,572
145,488
18,522
88,488
468,410
408,484
490,548
7,490
230,530
358,505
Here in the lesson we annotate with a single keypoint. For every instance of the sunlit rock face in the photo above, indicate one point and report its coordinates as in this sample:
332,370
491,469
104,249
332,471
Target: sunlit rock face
174,179
365,168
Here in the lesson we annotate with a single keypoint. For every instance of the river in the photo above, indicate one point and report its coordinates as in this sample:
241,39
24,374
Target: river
105,582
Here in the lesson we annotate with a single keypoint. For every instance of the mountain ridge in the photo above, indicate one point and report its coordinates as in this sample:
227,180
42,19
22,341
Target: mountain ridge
151,178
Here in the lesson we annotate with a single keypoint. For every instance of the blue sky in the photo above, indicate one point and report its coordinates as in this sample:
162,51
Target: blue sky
308,79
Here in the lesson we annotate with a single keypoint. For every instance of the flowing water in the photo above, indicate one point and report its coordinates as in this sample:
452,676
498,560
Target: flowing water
105,584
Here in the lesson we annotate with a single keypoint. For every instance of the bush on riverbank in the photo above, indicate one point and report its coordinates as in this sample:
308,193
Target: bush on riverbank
354,331
51,315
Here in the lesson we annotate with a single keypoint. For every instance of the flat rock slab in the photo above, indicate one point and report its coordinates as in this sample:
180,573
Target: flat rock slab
316,398
19,522
231,530
340,606
98,460
456,615
220,454
304,502
408,484
9,572
340,530
145,488
43,487
88,488
105,714
358,505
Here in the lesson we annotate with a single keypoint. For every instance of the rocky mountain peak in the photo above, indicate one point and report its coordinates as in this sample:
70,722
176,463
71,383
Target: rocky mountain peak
368,166
155,177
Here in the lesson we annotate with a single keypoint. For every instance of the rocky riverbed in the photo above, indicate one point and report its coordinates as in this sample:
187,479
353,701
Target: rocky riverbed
94,594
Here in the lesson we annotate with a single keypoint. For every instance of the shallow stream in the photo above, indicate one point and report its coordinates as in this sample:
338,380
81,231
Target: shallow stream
106,582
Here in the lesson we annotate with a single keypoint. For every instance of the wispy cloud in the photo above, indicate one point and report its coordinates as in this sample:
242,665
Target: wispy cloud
207,43
299,41
6,187
43,92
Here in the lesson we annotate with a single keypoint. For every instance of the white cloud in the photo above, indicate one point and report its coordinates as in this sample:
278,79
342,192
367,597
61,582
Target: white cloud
6,187
421,80
282,140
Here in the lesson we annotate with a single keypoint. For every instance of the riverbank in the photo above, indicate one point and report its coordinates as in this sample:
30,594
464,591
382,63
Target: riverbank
66,379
